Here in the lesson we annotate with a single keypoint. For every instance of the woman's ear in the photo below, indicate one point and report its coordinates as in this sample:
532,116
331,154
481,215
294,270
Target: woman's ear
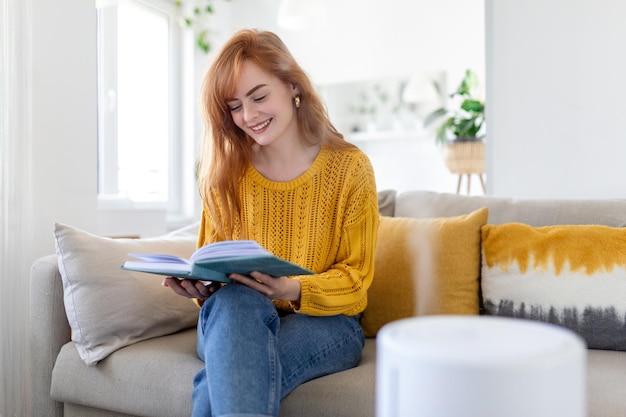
295,89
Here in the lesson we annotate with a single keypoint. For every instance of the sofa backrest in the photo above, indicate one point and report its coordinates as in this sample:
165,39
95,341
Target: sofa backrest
534,212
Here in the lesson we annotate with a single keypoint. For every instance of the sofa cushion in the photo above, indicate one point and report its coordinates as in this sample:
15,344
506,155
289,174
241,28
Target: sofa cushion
387,202
109,308
424,267
160,372
573,276
605,383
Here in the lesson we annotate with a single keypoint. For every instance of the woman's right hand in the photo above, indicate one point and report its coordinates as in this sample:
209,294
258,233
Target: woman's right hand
191,288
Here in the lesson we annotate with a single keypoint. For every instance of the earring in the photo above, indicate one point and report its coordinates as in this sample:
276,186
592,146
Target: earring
296,100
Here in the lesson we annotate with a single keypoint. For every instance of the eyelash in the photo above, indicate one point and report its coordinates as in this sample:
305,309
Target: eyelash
256,100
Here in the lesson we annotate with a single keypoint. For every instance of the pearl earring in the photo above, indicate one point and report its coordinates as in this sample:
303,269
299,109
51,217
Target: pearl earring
296,100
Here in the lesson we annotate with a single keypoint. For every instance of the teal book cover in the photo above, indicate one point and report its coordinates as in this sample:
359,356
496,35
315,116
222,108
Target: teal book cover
214,262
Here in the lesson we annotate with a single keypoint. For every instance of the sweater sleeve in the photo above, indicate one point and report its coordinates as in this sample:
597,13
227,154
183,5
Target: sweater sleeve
206,229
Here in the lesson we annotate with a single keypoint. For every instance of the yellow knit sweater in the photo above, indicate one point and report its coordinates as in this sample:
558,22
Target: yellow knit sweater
326,220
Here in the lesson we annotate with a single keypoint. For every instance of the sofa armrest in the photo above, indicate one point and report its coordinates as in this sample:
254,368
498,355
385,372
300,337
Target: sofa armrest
49,331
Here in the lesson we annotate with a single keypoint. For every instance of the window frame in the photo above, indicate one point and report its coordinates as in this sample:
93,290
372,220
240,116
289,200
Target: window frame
182,200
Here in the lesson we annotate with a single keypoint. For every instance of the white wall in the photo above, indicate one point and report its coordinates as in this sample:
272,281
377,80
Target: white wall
366,39
64,117
555,98
363,41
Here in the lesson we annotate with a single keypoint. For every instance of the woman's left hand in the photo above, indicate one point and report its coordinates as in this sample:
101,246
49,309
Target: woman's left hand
281,288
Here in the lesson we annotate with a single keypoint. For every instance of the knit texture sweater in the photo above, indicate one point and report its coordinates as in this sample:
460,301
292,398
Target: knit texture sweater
325,220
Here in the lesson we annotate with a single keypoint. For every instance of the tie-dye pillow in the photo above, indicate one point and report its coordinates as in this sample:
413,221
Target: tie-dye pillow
573,276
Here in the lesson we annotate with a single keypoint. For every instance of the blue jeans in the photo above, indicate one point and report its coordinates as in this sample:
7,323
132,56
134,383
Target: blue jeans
253,357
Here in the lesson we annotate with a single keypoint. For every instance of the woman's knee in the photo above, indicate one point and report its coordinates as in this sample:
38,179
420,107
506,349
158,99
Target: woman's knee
237,296
235,302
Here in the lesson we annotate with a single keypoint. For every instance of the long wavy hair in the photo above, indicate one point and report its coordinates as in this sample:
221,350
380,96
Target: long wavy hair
226,150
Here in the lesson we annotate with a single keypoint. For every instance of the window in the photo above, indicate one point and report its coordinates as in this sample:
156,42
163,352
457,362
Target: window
142,146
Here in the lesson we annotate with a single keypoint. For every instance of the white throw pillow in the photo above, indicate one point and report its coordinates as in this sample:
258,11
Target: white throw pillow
569,275
109,308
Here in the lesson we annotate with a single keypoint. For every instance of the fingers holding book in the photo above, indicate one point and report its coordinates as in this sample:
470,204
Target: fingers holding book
191,288
275,288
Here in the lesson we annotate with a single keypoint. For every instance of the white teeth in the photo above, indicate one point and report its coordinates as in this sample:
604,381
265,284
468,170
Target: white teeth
261,126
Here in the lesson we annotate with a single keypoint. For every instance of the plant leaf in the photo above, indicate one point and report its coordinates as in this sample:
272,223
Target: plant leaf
469,83
465,128
472,105
436,114
442,132
471,79
203,42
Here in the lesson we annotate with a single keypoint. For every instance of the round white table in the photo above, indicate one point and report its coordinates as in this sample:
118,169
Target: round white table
479,366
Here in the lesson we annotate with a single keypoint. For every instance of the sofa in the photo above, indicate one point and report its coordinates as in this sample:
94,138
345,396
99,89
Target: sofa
150,373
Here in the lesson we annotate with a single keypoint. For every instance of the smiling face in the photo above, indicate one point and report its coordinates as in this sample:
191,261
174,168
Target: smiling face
263,106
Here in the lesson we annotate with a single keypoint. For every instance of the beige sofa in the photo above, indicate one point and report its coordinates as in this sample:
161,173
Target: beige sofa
153,377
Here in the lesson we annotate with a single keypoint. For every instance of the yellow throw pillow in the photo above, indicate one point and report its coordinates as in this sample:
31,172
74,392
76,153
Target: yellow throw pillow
572,275
424,267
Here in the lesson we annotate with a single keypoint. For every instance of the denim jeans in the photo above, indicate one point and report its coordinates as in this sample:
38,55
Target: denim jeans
253,357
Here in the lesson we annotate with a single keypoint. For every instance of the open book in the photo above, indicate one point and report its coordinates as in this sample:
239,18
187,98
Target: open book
214,262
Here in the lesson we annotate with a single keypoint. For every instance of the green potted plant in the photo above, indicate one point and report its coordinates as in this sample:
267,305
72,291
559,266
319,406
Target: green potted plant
462,131
465,123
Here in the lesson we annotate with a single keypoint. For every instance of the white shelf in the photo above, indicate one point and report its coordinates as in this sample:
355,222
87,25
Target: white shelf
382,135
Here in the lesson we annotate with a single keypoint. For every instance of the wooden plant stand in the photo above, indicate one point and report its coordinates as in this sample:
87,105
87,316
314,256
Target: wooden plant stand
466,158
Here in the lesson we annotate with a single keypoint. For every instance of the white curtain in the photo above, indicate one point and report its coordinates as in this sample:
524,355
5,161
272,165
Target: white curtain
15,209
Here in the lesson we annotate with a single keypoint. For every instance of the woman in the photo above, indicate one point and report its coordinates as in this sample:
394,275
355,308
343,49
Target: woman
275,170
